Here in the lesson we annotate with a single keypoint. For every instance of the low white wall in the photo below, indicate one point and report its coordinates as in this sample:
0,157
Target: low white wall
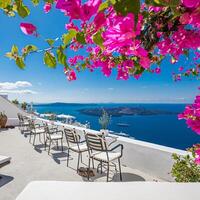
11,111
147,157
155,160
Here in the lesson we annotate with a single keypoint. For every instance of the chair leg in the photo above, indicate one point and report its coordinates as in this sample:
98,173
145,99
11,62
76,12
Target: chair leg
62,144
101,167
40,138
49,146
57,144
44,138
68,158
88,174
30,137
93,163
120,171
45,145
79,155
81,158
108,171
34,139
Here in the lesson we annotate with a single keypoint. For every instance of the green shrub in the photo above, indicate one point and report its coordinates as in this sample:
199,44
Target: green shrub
185,169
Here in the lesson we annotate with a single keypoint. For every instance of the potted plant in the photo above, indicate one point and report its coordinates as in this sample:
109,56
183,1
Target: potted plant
3,120
104,121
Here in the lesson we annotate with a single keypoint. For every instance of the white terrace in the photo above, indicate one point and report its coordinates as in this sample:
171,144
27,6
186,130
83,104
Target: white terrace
145,170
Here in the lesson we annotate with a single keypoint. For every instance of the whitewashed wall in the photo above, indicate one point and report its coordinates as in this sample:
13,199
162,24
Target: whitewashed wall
10,110
147,157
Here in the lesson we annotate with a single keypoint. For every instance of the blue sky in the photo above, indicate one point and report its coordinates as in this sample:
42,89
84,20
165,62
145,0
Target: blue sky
50,85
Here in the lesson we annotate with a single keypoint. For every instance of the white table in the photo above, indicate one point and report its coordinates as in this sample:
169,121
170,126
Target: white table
58,190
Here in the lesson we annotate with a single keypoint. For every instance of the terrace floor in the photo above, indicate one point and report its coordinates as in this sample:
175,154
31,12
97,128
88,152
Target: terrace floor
29,163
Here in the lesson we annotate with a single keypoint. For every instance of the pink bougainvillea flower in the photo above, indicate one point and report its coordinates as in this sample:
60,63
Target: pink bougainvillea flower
28,29
197,159
155,8
99,20
47,7
145,62
180,69
71,26
71,75
192,115
89,9
72,8
190,3
157,70
120,33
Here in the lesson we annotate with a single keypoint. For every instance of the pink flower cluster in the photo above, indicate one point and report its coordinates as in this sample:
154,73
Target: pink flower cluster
192,115
197,159
76,10
181,39
71,75
28,29
116,41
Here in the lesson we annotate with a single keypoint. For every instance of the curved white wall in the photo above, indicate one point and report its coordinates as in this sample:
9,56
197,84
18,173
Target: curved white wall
153,159
11,111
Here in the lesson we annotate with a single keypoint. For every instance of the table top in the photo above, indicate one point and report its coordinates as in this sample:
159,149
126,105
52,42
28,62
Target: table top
51,190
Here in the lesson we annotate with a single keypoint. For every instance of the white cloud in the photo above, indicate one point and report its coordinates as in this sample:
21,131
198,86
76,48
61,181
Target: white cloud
14,85
17,92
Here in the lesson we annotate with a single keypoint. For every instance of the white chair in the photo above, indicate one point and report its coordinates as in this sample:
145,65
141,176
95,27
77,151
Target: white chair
98,150
36,129
53,135
23,122
75,144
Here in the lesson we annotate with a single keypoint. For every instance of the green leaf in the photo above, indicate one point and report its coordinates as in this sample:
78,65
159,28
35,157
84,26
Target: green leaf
35,2
97,39
49,59
50,42
23,10
104,5
61,56
80,37
5,3
170,3
28,49
49,1
31,48
127,6
9,55
20,62
14,50
68,37
139,69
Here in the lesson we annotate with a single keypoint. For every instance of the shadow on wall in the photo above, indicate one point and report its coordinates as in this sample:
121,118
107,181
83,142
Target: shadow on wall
5,179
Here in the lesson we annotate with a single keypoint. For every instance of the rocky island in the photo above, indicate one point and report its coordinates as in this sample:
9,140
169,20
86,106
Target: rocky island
120,111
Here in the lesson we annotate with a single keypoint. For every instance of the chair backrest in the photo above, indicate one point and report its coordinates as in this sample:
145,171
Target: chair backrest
95,142
47,130
71,136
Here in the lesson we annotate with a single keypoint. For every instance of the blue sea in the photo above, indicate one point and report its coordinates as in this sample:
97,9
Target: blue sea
159,129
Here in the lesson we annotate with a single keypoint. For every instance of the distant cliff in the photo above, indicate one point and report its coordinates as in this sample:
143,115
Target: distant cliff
120,111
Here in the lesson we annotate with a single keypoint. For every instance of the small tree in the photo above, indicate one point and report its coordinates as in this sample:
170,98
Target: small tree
104,120
24,105
15,101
